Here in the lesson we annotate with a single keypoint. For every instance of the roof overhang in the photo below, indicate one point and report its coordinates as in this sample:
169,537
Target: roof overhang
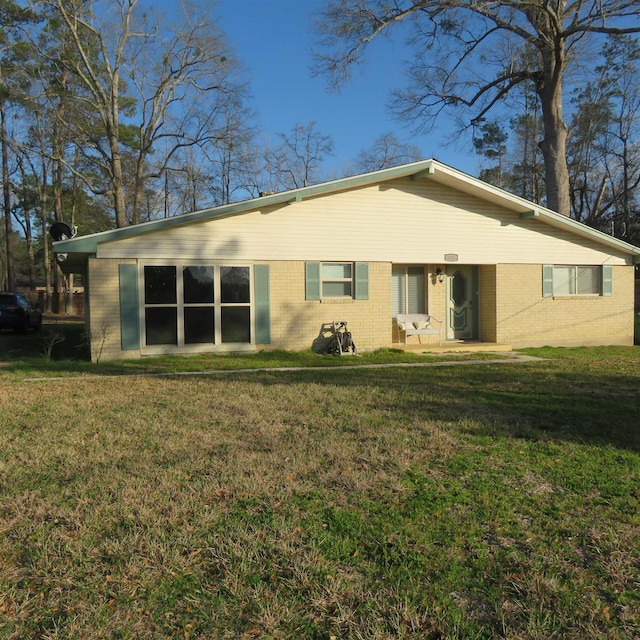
74,262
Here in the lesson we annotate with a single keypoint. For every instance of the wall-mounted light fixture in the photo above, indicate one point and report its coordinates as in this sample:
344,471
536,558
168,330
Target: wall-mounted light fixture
440,274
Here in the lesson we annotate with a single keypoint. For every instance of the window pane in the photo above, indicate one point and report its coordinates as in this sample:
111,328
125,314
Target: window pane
198,284
415,276
398,293
459,289
336,271
564,280
160,285
336,289
198,325
588,279
234,284
236,324
161,325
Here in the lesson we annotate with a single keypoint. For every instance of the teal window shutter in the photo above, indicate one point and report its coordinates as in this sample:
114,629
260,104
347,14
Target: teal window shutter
362,281
547,280
607,280
129,307
312,276
262,303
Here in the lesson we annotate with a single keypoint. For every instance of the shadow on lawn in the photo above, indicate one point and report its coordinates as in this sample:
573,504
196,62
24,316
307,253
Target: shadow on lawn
551,399
529,401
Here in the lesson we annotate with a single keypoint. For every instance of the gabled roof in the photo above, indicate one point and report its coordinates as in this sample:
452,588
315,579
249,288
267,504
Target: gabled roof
80,247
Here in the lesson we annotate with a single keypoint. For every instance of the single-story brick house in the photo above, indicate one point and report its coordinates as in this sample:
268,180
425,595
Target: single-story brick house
271,272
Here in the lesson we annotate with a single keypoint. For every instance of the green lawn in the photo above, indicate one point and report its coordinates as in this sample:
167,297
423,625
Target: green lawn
480,501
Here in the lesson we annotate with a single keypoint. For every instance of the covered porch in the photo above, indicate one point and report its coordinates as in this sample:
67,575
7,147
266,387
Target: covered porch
459,299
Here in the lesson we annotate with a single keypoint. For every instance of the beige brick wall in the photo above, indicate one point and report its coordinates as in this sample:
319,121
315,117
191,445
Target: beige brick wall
436,301
297,323
511,310
104,310
524,318
487,303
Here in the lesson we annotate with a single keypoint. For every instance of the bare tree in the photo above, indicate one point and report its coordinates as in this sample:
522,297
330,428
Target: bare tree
142,87
471,55
386,151
296,161
185,99
213,172
12,59
604,148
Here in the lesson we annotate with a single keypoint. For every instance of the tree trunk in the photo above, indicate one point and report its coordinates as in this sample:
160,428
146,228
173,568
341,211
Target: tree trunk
138,191
549,88
68,293
119,200
45,242
554,151
28,231
6,189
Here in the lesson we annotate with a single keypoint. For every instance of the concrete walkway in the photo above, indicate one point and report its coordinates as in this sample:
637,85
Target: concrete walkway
511,358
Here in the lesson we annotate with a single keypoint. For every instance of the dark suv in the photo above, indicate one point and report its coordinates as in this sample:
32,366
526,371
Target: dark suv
17,313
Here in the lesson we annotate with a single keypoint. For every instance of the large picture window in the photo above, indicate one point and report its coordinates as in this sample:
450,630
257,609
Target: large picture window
196,304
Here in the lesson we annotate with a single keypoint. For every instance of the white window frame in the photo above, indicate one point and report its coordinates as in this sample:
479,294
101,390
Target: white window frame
332,280
564,281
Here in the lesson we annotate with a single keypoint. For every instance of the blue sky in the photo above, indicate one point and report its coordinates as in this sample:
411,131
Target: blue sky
273,39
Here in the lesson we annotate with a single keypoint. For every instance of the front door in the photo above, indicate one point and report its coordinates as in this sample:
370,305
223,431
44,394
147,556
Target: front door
462,302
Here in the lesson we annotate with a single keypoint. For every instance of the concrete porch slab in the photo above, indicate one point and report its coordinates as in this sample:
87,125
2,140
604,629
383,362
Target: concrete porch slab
453,346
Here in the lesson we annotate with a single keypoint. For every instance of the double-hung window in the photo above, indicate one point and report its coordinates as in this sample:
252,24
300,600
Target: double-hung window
161,305
576,280
336,280
235,304
199,309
